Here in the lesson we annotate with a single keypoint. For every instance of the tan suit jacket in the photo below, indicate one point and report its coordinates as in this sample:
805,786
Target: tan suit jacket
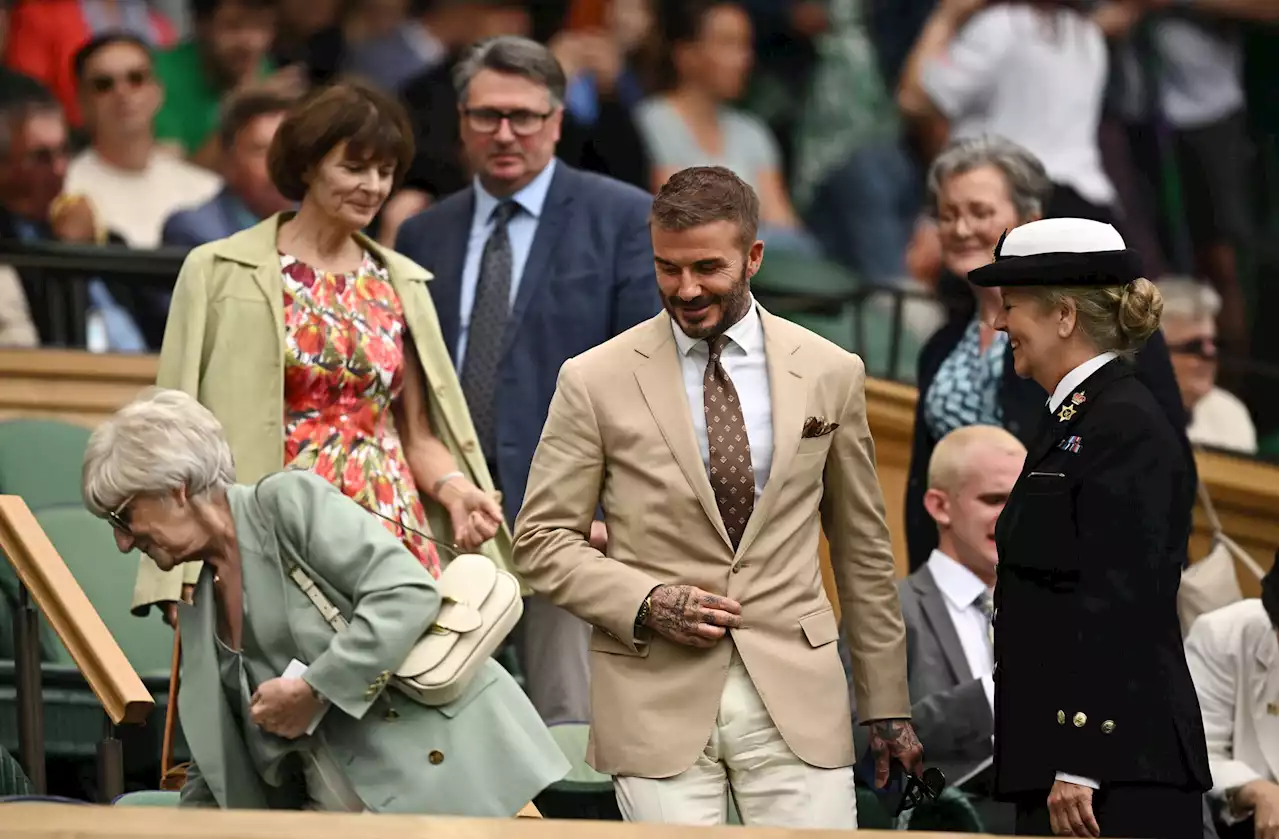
620,434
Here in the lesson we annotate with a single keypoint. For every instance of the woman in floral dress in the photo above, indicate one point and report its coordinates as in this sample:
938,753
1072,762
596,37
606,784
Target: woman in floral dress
317,349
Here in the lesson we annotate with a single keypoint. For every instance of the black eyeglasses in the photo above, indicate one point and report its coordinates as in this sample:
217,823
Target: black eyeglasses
918,790
523,122
133,78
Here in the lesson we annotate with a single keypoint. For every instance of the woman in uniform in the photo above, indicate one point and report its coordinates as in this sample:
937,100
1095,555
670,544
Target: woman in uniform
1097,727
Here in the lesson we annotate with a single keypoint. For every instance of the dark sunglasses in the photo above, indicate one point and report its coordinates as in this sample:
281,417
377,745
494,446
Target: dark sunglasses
918,790
1204,347
119,517
133,79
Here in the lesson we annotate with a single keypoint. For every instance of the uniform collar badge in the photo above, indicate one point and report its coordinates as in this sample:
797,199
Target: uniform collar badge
1077,398
1066,412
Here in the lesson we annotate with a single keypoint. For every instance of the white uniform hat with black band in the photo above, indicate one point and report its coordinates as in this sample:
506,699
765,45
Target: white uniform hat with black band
1060,252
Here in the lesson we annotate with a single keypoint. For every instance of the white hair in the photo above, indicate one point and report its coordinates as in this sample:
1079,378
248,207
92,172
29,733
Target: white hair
159,442
1189,299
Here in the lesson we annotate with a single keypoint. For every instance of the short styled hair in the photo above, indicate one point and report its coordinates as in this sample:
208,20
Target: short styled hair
372,124
1024,174
97,44
513,55
1188,298
704,195
161,441
949,465
242,109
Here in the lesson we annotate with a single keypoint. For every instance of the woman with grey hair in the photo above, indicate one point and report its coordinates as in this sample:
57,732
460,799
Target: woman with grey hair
982,187
279,710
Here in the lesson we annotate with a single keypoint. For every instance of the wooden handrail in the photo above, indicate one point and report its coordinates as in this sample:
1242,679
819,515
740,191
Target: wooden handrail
97,655
52,821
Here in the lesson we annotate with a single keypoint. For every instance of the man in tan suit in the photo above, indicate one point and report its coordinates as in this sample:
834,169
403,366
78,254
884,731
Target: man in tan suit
718,439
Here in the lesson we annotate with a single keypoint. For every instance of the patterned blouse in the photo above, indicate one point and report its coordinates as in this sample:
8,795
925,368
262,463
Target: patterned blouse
344,366
966,390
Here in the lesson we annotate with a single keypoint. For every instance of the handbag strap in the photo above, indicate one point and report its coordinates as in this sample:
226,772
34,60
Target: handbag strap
1220,536
331,613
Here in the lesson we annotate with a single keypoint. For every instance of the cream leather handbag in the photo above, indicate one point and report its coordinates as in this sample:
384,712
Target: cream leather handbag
480,606
1212,582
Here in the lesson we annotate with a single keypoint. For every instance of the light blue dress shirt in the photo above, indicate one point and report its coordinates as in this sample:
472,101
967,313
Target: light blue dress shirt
520,230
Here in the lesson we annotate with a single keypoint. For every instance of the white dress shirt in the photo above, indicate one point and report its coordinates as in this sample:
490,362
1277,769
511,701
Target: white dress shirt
744,362
960,588
1069,383
520,231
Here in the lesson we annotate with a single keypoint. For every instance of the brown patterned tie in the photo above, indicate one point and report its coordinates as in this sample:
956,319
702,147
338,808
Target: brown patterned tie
729,452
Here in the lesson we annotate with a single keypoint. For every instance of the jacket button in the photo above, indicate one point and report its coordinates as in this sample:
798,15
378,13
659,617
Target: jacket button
1108,726
436,758
1079,719
736,568
1062,717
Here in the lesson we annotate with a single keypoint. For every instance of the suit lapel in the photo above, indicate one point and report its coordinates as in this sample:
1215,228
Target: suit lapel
662,384
1265,720
446,288
939,617
788,400
556,216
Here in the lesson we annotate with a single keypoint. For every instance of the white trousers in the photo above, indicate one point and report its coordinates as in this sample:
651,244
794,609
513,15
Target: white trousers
747,758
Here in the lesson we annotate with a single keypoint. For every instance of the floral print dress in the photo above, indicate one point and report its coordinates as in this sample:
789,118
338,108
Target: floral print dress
344,366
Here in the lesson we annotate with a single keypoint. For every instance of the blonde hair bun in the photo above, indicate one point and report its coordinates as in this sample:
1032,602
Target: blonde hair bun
1140,308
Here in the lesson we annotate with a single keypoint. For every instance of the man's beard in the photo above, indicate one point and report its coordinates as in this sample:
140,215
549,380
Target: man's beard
733,306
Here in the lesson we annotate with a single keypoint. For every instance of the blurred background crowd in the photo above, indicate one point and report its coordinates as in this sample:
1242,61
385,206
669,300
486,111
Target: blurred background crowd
1156,115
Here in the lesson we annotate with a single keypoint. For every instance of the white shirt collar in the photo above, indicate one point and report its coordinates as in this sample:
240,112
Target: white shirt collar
530,198
1077,377
957,583
747,334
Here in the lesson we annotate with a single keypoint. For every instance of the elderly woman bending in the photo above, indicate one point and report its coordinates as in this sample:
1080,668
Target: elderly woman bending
161,472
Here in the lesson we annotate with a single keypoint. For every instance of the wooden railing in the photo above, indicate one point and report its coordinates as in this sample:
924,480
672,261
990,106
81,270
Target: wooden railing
45,579
41,821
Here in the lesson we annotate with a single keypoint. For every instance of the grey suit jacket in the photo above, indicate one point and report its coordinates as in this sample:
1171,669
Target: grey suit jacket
485,754
948,706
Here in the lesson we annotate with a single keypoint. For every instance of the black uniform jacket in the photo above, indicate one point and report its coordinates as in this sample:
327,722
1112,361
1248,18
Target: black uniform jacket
1022,401
1090,674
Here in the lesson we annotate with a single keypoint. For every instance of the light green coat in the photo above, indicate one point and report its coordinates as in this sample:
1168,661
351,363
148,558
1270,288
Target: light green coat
224,343
485,754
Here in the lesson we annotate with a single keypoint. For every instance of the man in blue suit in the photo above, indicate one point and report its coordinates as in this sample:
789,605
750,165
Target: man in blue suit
248,125
534,263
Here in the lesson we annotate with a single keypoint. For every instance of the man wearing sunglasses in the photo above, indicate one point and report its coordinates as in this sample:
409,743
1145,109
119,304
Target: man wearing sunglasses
1217,417
133,184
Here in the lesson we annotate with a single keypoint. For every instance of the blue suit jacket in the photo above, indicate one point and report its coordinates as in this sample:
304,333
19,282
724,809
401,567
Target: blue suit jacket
221,216
589,277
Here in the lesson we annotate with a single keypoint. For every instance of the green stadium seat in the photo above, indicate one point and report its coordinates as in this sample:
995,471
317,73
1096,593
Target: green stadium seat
13,781
148,798
87,546
40,460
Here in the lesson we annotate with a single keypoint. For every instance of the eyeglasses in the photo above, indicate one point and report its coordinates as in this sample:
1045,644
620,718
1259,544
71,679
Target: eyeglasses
47,155
1206,347
119,517
524,123
133,79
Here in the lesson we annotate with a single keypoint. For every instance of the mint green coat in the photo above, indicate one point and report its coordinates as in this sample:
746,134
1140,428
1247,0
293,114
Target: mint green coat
485,754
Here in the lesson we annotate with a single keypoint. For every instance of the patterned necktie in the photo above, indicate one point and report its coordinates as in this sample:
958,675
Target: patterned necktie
488,325
987,607
729,453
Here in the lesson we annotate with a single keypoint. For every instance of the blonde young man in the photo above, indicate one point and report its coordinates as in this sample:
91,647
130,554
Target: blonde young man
947,606
719,439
